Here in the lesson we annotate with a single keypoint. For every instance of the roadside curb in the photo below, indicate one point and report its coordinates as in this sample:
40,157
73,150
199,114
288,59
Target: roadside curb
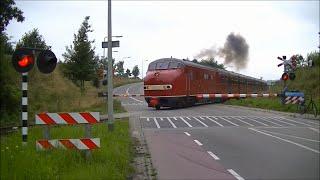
295,115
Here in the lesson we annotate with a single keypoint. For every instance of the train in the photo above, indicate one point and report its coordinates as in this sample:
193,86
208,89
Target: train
171,82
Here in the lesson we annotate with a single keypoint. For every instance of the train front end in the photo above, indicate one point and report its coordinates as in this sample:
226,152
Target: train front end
164,83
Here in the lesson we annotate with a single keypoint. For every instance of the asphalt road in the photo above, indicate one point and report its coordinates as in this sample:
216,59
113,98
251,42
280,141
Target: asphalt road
216,141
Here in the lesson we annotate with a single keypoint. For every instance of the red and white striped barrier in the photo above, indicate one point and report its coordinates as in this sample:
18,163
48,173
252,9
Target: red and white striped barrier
294,100
79,144
212,96
68,118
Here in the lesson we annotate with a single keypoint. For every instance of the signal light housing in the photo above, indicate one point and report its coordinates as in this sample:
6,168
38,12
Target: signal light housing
23,60
46,61
292,76
285,76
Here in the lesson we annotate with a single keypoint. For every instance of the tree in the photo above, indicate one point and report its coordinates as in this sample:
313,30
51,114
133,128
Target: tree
135,71
5,44
80,60
8,12
128,73
120,69
32,39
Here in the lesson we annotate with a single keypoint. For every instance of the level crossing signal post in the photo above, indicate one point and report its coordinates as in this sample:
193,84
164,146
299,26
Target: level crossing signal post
23,60
289,67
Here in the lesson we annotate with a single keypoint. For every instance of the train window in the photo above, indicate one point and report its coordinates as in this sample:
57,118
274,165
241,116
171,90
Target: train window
174,65
152,66
162,65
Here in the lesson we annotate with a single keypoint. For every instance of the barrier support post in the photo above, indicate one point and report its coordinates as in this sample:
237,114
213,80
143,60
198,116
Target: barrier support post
87,131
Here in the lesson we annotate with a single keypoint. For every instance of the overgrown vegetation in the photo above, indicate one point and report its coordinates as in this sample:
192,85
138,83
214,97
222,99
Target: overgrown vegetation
111,161
307,80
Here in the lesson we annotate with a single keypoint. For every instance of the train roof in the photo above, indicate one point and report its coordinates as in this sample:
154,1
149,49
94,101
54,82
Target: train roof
189,63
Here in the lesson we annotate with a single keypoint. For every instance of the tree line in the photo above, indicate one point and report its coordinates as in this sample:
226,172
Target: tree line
81,63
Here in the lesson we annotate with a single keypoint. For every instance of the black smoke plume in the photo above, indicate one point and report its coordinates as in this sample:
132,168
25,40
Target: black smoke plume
235,51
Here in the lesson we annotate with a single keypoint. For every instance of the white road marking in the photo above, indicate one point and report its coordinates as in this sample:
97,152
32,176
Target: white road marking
161,119
198,142
185,122
228,121
187,133
255,121
215,121
188,118
316,130
213,155
136,99
264,119
274,118
236,175
172,124
201,122
175,118
288,141
148,119
155,121
238,119
289,135
295,121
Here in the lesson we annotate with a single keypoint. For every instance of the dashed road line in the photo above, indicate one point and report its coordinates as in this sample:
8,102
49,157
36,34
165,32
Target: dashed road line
215,121
200,122
251,119
175,118
273,118
242,121
316,130
172,124
161,119
236,175
213,155
295,121
286,140
148,119
157,124
228,121
185,122
187,133
264,119
198,142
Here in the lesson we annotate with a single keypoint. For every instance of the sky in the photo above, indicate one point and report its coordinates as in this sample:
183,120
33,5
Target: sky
181,29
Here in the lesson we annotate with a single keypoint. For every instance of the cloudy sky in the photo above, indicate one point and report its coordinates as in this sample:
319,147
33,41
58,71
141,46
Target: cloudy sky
181,29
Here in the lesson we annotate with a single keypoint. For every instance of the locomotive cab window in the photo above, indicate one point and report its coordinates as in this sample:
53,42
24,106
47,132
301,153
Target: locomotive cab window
174,65
162,65
152,66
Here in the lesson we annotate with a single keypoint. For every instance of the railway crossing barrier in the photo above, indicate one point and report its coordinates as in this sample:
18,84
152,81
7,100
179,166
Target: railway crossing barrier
87,143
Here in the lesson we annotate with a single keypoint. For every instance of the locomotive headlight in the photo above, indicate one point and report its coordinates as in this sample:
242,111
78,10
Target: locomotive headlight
158,87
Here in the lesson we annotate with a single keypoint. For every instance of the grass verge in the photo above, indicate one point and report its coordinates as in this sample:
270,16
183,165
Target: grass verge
111,161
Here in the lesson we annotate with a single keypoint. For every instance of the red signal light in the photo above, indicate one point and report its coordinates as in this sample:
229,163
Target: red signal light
25,61
285,76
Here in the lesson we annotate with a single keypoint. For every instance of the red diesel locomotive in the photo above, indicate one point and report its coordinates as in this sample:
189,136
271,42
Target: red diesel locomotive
171,82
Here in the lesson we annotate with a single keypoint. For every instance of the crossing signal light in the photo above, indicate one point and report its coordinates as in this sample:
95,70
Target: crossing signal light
285,76
23,60
46,61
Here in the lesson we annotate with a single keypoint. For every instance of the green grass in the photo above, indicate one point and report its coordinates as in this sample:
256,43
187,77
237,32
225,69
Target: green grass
111,161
